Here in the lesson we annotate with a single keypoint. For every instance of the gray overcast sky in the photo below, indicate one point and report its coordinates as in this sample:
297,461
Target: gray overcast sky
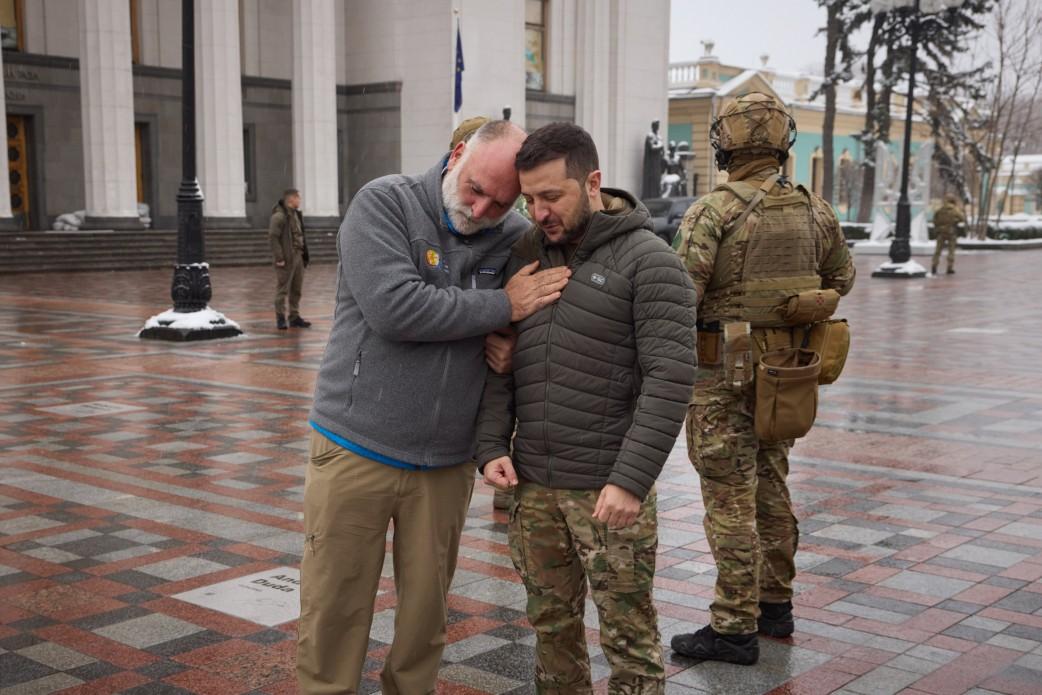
787,30
745,29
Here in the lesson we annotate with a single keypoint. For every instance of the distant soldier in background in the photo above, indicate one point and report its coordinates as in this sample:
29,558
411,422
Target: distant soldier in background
289,249
946,223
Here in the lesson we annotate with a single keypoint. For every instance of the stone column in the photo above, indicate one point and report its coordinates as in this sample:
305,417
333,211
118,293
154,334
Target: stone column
314,112
7,220
218,99
621,85
107,98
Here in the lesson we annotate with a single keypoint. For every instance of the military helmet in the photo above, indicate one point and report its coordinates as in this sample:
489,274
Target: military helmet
466,129
753,121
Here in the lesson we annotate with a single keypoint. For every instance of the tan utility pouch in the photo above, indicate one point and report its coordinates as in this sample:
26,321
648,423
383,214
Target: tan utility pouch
831,340
738,355
709,348
786,394
810,307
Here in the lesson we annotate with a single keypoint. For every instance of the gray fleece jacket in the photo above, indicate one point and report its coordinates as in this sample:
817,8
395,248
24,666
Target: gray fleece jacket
404,367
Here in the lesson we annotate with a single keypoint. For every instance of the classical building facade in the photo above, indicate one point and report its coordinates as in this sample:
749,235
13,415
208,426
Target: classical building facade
323,95
700,90
1018,188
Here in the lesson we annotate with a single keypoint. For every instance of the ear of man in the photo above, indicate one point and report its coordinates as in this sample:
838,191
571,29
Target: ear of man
456,154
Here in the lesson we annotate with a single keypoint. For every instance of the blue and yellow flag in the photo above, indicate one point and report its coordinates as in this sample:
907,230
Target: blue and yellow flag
459,70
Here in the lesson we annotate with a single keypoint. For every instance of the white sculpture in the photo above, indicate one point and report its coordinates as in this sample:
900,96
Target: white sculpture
887,191
919,191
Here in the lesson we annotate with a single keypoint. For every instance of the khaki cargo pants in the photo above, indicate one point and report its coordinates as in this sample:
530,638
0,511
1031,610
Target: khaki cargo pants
349,501
748,519
949,239
290,280
557,546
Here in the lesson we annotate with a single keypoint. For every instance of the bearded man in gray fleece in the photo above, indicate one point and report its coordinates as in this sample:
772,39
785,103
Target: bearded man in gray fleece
419,287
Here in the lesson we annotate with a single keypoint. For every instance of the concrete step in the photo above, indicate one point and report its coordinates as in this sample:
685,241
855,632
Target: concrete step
22,252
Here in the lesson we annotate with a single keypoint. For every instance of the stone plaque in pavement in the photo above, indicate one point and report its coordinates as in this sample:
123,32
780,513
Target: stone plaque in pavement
91,408
270,598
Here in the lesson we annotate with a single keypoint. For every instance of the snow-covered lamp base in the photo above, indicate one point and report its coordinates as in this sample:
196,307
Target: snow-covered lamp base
176,326
902,271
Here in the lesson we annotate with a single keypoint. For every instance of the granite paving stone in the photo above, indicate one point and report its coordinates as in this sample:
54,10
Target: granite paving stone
919,496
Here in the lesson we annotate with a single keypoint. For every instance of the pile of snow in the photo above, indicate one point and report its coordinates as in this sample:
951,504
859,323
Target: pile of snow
72,221
966,242
192,321
1018,221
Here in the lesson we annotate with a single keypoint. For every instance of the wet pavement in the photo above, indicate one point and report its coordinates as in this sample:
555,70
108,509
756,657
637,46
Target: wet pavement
135,476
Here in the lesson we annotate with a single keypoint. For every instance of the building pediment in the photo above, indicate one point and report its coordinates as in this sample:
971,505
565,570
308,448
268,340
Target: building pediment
746,82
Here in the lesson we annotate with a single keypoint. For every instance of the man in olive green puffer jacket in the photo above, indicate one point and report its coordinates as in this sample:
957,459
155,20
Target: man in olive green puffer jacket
598,393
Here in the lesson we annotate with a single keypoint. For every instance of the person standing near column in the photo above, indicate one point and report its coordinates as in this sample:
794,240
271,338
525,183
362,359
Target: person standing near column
289,247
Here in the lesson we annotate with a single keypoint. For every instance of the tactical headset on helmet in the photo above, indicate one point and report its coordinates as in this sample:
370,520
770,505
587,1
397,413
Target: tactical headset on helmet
753,121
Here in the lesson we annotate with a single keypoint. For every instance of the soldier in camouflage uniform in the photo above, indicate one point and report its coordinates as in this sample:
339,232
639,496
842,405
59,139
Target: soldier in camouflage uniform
945,223
744,265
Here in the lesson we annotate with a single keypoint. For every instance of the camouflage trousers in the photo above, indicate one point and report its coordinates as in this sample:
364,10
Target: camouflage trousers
557,546
748,521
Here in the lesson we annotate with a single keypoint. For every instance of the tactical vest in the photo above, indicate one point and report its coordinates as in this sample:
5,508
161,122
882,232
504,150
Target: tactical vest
766,256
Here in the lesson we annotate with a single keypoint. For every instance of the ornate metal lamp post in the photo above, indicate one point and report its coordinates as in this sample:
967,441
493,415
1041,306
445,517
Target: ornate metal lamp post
901,264
191,318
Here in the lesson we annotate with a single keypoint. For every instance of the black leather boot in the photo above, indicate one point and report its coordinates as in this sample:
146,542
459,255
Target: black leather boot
775,619
709,645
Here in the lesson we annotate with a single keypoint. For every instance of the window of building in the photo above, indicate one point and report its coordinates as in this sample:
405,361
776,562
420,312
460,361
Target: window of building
817,171
135,34
139,138
249,161
12,20
18,167
535,44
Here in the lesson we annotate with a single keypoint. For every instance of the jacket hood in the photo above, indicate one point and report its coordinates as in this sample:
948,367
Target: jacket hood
622,214
280,205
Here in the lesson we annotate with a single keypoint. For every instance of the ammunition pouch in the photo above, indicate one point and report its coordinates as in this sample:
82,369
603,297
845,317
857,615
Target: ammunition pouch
810,307
786,394
831,340
710,348
738,355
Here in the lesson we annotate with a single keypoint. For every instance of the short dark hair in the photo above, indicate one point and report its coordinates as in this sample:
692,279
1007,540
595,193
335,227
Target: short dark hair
288,192
559,140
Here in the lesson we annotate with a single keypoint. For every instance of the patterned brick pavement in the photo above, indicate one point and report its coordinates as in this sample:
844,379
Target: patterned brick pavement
134,474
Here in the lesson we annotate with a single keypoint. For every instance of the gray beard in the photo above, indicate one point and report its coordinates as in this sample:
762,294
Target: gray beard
464,223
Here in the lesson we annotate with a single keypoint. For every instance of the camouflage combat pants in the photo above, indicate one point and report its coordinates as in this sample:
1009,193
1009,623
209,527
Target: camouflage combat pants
557,546
748,521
